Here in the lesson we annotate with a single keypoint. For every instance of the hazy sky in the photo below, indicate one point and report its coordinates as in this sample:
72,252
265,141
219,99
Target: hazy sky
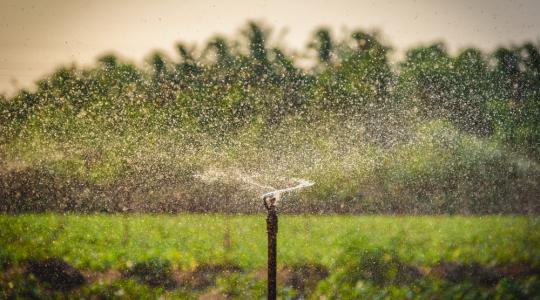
37,36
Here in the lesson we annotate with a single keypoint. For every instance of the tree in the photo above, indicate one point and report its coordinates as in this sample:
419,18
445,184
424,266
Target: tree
323,45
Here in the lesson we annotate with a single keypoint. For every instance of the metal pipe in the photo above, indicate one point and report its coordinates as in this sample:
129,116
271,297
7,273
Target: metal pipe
270,200
272,230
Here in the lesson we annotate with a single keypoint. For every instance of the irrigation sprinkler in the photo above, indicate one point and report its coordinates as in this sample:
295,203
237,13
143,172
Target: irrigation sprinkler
270,200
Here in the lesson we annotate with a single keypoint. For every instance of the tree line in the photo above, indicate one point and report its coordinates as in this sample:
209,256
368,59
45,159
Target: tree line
229,82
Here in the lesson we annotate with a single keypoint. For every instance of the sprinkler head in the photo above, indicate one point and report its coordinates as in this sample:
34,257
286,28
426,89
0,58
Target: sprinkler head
269,201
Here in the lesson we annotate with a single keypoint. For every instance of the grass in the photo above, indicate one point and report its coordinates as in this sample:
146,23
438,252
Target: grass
97,244
111,241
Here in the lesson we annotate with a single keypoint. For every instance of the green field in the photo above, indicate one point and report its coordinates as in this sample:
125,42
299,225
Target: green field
97,244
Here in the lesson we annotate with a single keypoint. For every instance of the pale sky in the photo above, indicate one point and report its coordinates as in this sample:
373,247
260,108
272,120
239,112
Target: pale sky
37,36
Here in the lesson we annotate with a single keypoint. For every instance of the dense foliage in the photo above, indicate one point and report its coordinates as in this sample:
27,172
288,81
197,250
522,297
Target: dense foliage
432,133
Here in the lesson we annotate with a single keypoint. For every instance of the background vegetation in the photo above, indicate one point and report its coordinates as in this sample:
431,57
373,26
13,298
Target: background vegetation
432,133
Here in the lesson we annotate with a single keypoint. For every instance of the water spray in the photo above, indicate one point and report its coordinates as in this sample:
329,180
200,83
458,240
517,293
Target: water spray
270,201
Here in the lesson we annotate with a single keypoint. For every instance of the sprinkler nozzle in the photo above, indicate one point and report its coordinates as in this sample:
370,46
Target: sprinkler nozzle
269,201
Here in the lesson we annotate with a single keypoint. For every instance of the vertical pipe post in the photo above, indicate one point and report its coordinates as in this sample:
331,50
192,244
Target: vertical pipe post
271,229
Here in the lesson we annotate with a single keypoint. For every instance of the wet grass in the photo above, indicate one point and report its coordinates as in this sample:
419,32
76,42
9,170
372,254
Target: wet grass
112,241
101,245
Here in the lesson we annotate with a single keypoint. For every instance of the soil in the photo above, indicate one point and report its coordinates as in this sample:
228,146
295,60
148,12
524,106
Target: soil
56,272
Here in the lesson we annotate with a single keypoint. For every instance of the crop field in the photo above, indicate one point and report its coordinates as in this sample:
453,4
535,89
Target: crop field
190,256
